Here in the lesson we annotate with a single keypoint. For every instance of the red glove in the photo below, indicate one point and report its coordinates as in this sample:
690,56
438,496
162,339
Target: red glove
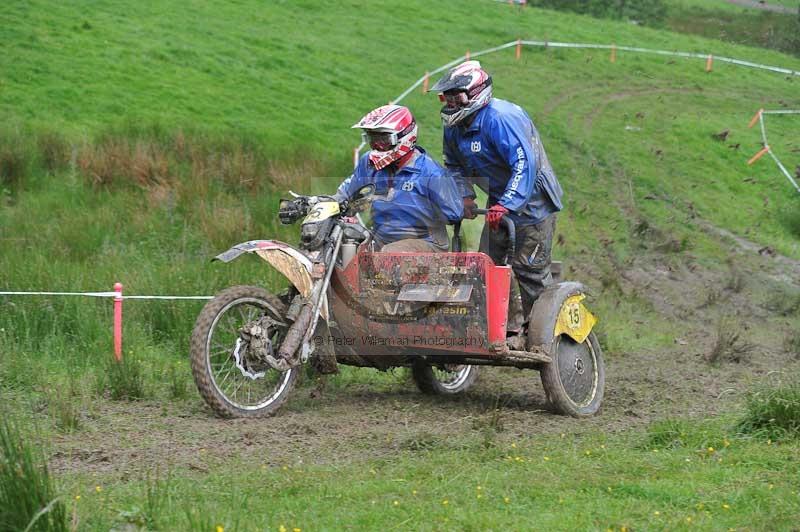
469,208
495,214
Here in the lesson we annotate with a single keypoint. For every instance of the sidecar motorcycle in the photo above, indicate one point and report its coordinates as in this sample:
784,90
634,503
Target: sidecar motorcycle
441,314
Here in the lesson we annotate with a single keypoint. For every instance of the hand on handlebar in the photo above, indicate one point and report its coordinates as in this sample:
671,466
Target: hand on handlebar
494,215
470,208
291,210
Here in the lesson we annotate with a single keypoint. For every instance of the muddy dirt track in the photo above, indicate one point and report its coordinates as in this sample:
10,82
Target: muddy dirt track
764,6
362,421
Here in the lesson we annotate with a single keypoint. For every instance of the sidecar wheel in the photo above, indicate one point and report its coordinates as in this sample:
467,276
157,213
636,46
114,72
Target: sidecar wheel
229,386
433,380
575,380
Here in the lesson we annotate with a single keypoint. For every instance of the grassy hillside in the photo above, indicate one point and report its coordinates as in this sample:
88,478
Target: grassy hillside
137,140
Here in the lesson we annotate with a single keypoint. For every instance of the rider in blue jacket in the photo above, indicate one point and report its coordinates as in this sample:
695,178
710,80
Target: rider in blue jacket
415,198
493,144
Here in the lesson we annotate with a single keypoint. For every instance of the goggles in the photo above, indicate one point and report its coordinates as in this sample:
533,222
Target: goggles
454,99
379,140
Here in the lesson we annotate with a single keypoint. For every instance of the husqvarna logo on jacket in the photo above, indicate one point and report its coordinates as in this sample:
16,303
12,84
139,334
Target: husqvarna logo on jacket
475,146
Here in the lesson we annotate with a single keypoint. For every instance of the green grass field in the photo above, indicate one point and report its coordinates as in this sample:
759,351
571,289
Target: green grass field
138,140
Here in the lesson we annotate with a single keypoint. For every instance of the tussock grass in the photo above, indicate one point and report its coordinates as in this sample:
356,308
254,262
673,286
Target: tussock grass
773,411
178,379
730,345
152,157
123,380
792,343
65,405
16,158
28,498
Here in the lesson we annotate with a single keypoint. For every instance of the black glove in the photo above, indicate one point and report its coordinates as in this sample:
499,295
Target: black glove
289,212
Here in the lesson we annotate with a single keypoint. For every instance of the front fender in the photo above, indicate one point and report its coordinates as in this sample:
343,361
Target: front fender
559,310
288,260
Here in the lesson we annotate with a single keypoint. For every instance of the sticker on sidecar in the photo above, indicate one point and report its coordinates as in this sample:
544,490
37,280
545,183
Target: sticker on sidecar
435,293
322,211
452,270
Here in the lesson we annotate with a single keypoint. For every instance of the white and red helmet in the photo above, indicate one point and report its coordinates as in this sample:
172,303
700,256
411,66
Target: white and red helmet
463,90
391,133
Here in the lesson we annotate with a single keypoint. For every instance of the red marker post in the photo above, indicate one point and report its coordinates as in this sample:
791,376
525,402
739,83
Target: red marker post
118,322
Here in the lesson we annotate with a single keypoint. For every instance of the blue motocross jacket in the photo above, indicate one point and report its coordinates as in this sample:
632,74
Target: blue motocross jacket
417,202
500,152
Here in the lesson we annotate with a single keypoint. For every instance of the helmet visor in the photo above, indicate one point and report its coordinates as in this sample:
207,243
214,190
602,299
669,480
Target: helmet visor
380,140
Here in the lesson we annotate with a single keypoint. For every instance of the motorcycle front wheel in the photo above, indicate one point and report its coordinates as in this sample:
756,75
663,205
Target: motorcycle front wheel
232,380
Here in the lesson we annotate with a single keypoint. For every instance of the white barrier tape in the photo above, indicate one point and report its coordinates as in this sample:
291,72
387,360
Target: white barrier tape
87,294
783,169
167,297
100,294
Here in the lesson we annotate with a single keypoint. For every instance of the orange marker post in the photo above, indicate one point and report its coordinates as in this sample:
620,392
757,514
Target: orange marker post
755,118
118,322
613,53
425,83
518,51
758,155
710,63
467,55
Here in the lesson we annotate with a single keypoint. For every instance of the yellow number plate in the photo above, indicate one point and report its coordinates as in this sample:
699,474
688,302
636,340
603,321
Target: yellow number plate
574,319
322,211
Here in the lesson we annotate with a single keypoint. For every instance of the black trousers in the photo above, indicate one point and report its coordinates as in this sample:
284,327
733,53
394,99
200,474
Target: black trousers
530,263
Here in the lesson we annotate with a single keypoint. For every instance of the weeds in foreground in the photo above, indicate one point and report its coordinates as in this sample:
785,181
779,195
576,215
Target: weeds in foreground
730,346
156,503
773,412
123,380
64,409
178,388
27,496
490,424
736,280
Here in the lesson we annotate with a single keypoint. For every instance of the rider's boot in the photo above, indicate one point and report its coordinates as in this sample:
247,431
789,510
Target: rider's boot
516,331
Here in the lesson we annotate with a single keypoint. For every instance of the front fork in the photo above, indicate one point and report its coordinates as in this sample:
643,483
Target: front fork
299,334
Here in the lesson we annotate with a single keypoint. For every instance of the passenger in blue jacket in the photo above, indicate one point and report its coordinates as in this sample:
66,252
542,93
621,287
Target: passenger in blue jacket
415,198
493,144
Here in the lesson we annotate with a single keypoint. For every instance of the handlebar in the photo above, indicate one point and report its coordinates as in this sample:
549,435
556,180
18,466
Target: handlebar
511,229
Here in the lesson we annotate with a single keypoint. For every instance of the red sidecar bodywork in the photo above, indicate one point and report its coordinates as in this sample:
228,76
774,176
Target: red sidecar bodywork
396,305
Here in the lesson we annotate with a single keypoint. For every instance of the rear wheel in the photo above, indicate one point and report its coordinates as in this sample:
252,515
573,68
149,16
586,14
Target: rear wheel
449,379
231,337
575,380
